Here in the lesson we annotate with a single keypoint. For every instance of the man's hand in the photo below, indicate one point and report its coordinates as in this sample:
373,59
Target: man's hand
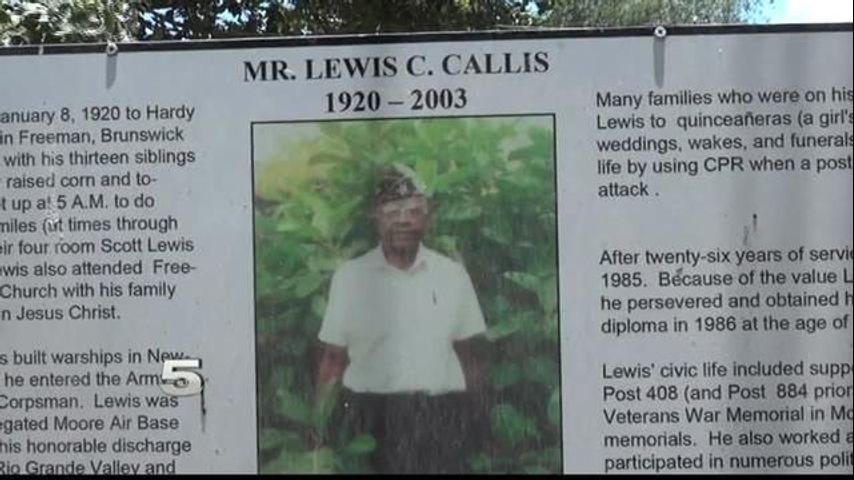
333,362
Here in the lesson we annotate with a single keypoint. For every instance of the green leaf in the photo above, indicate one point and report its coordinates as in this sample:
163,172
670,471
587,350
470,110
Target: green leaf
547,460
505,375
346,211
289,225
461,212
325,157
307,284
535,470
275,438
543,370
501,330
524,280
323,222
446,244
323,263
324,408
332,129
318,305
451,179
316,461
361,445
497,233
547,293
294,408
511,426
295,346
425,168
481,463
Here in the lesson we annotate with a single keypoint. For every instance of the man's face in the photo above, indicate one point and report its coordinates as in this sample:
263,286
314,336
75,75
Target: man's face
403,223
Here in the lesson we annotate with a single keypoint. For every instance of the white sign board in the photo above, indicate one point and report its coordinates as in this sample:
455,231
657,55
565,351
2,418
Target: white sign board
603,252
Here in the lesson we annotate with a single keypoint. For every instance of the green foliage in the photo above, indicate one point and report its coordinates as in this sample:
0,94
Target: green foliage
617,13
52,21
224,18
59,21
492,182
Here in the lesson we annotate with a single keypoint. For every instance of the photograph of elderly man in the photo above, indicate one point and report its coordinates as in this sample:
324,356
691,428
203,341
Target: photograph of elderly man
406,296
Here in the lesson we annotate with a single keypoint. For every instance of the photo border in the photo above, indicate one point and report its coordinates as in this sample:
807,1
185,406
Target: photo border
552,115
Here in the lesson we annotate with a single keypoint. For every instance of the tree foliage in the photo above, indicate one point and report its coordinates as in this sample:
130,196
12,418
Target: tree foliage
66,21
493,188
617,13
52,21
203,19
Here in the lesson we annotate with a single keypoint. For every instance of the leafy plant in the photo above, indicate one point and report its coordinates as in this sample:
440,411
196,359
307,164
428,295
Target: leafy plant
492,183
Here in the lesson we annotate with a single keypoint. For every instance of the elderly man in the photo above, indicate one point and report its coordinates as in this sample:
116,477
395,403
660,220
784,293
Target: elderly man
397,333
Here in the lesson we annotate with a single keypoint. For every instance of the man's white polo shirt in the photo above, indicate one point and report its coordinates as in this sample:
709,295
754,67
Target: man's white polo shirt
399,325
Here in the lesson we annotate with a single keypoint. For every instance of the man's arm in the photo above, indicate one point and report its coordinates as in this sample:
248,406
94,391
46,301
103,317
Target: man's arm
333,362
469,341
474,368
333,340
477,401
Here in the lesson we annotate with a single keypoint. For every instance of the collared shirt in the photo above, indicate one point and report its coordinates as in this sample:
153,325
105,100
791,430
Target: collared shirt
398,326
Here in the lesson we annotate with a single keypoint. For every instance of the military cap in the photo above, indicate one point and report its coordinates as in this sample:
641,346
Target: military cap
398,182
